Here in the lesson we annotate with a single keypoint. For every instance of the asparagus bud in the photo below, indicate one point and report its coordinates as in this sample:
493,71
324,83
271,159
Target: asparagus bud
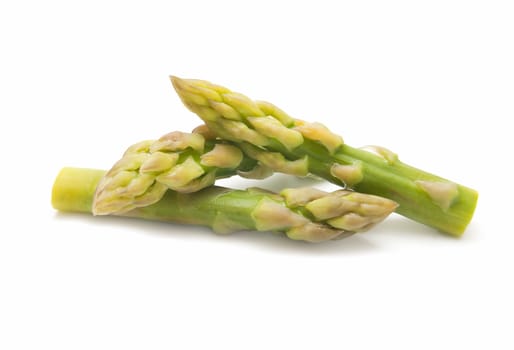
183,162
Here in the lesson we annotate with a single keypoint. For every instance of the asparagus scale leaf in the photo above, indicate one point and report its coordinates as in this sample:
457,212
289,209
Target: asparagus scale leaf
267,133
302,213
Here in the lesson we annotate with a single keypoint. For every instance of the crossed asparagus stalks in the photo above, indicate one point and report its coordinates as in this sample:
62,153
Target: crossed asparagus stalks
163,180
172,178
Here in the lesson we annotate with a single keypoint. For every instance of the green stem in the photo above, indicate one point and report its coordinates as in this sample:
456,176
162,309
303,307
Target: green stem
74,189
394,180
397,181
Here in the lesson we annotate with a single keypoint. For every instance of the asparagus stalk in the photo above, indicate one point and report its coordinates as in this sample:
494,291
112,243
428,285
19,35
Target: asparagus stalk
264,131
302,214
183,162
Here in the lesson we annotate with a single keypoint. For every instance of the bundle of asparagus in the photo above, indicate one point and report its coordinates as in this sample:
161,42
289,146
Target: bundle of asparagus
172,178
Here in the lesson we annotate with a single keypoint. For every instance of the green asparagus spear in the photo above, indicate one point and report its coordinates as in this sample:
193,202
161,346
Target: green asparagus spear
184,162
302,214
264,131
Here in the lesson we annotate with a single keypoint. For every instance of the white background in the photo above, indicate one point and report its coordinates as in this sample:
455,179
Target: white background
81,81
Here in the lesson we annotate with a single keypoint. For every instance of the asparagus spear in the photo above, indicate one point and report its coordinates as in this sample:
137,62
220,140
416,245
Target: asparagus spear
261,127
302,214
184,162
